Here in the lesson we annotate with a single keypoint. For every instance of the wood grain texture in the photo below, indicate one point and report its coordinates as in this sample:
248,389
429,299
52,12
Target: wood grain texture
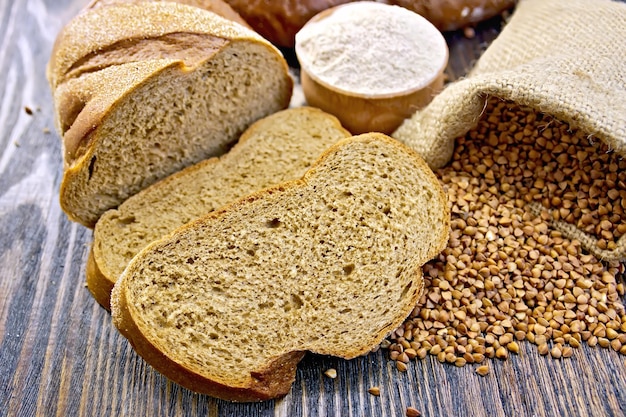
61,356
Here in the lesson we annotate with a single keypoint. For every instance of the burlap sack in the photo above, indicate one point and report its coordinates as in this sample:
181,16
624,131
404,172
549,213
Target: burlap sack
566,58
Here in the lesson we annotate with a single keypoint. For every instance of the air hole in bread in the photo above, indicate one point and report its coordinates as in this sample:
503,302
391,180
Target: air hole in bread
274,223
190,261
126,220
348,269
92,166
405,290
296,301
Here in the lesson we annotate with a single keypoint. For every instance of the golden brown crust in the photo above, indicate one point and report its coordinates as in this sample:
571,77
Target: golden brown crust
98,284
99,29
272,382
449,15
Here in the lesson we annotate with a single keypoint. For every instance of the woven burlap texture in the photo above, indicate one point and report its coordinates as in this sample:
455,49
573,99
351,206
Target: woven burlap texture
566,58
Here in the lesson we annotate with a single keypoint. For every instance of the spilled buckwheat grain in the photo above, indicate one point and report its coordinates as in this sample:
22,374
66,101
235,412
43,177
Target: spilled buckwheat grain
507,274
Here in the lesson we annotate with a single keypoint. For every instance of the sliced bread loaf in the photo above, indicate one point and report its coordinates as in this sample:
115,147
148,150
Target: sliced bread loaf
144,90
331,263
278,148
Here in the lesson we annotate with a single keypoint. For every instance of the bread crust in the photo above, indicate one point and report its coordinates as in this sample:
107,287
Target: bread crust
272,382
98,284
86,33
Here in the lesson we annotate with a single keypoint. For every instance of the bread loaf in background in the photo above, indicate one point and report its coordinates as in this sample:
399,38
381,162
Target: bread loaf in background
448,15
144,90
331,263
219,7
280,20
277,148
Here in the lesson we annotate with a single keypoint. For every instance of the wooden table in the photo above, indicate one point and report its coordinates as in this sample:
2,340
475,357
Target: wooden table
61,356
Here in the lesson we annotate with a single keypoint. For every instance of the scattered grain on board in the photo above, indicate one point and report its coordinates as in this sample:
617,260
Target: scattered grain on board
412,412
510,273
482,370
469,32
28,110
375,391
331,373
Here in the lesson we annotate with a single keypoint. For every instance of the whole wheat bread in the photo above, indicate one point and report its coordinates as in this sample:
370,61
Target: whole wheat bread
144,90
277,148
331,263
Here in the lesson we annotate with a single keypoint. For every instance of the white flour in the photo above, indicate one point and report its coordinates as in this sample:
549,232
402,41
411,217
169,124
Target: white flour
373,49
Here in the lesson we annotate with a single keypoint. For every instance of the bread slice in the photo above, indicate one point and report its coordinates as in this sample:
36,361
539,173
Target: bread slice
278,148
331,263
144,90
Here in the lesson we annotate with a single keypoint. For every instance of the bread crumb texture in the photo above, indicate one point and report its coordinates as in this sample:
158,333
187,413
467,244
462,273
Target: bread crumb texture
329,264
278,148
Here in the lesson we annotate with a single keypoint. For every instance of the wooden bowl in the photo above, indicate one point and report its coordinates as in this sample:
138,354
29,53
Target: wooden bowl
368,111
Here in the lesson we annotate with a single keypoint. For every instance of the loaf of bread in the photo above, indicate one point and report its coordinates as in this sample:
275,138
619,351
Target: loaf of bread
278,148
449,15
331,263
280,20
219,7
144,90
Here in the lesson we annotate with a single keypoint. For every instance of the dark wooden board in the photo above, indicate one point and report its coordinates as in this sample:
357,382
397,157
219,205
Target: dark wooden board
61,356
